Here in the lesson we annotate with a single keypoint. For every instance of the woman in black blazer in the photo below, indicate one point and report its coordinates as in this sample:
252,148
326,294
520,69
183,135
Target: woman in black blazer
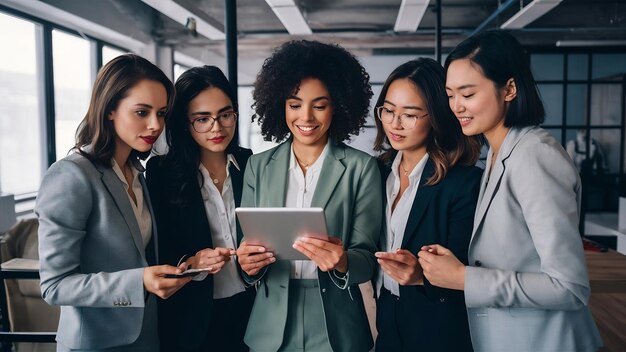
195,188
431,188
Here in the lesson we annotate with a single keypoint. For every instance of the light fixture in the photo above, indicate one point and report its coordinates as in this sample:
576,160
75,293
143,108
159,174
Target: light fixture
181,15
574,43
410,15
529,13
192,26
291,16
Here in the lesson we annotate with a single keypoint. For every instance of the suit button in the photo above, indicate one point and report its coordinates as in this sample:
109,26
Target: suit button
323,290
478,263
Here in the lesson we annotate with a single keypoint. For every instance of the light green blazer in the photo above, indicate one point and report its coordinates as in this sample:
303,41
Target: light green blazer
349,191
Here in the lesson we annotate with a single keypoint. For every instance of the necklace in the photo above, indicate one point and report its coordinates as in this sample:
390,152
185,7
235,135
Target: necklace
406,172
303,164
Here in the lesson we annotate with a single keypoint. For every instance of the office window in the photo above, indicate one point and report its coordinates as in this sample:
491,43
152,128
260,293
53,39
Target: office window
608,66
110,53
552,97
577,66
606,104
608,141
547,66
178,70
576,110
21,128
71,58
249,132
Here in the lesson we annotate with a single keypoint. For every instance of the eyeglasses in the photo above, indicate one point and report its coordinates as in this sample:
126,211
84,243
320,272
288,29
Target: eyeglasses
205,123
407,121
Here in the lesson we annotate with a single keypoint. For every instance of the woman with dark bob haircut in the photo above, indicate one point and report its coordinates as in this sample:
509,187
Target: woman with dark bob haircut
195,188
315,96
97,235
526,286
431,187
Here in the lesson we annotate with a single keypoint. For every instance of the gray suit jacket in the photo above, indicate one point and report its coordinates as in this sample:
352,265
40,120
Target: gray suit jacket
91,254
527,288
349,191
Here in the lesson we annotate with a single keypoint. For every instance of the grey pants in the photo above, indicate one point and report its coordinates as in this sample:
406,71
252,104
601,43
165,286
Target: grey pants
306,324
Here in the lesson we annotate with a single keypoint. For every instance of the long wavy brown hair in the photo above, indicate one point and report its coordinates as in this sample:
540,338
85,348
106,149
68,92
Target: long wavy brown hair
95,136
446,145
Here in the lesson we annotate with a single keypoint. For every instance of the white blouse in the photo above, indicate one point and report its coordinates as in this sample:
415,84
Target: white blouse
300,191
220,210
396,221
140,209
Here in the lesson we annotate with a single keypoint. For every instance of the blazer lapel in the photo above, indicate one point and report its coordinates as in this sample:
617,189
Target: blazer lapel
420,203
490,183
236,177
114,186
331,173
276,177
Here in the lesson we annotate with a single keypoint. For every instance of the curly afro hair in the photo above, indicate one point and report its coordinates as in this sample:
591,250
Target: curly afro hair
281,74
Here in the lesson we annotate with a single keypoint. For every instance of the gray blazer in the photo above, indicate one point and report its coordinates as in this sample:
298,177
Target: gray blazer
91,254
527,288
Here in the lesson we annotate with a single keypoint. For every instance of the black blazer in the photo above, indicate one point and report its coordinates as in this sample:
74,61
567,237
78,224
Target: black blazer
184,318
441,214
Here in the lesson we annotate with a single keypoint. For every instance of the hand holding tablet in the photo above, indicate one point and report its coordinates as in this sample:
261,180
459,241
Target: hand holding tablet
277,229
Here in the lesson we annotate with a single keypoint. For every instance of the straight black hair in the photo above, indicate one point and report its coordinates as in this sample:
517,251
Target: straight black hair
501,57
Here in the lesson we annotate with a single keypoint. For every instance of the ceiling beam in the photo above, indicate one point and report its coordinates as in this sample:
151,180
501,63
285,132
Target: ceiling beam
180,14
529,13
410,15
290,15
493,16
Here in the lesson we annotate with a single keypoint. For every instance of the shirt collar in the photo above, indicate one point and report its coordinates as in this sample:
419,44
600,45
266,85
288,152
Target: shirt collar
230,159
417,170
313,167
136,169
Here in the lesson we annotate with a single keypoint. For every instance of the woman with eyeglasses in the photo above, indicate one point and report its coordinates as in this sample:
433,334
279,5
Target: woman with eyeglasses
196,187
431,189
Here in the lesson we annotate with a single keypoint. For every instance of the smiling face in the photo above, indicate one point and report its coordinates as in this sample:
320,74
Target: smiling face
138,118
475,100
404,98
309,113
207,105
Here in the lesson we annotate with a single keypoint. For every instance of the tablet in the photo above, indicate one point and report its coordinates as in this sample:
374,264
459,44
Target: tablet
276,229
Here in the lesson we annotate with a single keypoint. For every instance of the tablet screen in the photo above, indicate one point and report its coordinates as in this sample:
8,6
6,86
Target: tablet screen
276,229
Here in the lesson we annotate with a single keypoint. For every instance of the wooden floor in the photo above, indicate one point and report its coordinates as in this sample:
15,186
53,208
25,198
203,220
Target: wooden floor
607,275
609,312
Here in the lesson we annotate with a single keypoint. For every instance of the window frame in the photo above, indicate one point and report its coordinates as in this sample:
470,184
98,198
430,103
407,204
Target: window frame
45,75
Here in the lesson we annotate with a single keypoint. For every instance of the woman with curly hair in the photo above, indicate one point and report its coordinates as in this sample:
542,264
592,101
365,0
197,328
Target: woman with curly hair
313,96
195,188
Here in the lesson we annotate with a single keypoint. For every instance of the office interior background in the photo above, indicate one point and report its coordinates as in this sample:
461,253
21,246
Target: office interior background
51,51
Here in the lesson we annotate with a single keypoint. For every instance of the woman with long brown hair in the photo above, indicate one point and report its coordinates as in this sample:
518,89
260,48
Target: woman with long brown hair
97,238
